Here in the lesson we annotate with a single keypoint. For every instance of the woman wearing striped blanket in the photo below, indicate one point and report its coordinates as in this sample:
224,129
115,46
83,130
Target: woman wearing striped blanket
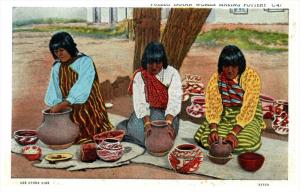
74,83
233,108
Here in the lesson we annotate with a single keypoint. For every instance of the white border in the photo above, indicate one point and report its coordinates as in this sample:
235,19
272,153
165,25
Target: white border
8,184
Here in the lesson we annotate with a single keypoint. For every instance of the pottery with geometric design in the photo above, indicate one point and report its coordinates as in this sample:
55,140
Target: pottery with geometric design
110,150
185,158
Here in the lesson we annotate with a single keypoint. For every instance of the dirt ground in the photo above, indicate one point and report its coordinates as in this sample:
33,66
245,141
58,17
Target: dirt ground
31,67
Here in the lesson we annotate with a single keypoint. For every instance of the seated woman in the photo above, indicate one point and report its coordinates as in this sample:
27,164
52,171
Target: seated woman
74,83
233,108
156,91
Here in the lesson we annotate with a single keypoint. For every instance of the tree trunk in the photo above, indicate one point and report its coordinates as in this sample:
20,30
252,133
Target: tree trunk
181,30
146,29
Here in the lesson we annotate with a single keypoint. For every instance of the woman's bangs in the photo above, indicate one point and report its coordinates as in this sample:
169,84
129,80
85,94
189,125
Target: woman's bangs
154,58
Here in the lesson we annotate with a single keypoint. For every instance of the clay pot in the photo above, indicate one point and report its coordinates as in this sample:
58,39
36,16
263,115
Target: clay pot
185,158
159,139
110,150
26,137
113,134
32,152
219,160
220,148
251,161
57,130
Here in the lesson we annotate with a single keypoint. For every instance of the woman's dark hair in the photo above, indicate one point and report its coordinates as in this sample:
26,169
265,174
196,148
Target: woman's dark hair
231,55
154,53
63,40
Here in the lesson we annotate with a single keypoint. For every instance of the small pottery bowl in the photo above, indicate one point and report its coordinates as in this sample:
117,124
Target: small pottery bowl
108,105
198,100
219,160
220,148
26,137
251,161
185,158
115,134
32,152
110,150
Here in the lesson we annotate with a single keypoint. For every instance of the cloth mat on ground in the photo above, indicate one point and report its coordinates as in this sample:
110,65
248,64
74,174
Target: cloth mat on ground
130,151
275,166
275,152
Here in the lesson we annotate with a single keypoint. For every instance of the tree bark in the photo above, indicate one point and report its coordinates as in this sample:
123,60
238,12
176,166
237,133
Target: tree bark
146,29
181,30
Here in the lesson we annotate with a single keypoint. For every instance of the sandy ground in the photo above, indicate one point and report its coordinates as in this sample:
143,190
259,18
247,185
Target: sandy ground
31,67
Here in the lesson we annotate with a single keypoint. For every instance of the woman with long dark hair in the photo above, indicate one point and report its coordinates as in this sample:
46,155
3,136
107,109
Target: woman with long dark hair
74,83
233,108
156,92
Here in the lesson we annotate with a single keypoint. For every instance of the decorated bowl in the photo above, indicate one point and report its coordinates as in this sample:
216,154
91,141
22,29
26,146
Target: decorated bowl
32,152
26,137
110,150
185,158
115,134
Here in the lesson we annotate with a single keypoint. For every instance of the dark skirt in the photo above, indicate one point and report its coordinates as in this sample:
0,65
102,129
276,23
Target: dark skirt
134,126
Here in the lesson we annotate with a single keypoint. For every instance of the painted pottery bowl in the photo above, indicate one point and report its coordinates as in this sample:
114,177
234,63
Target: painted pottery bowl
220,148
110,150
251,161
32,152
198,100
26,137
219,160
116,134
185,158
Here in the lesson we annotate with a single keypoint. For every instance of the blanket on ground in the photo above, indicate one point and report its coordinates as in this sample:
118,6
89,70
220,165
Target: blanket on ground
275,166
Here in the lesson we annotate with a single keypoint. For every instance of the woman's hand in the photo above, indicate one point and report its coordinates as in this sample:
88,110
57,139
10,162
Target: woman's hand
60,107
213,136
232,139
232,136
147,125
169,120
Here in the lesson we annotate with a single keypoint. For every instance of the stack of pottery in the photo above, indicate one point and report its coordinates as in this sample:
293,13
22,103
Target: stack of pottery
220,152
57,130
110,150
185,158
160,138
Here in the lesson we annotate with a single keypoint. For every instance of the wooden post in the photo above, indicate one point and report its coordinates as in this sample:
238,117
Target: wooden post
146,22
181,30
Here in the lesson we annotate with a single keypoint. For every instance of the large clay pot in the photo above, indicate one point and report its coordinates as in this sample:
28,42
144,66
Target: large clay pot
185,158
160,138
110,150
57,130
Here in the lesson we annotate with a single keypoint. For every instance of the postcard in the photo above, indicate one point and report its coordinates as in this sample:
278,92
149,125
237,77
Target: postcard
151,95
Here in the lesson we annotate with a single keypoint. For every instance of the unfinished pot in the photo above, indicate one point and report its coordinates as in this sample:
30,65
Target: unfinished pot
57,130
220,148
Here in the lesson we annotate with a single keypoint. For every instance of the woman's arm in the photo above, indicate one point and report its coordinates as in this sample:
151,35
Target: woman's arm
81,90
141,107
213,101
53,94
174,95
251,84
